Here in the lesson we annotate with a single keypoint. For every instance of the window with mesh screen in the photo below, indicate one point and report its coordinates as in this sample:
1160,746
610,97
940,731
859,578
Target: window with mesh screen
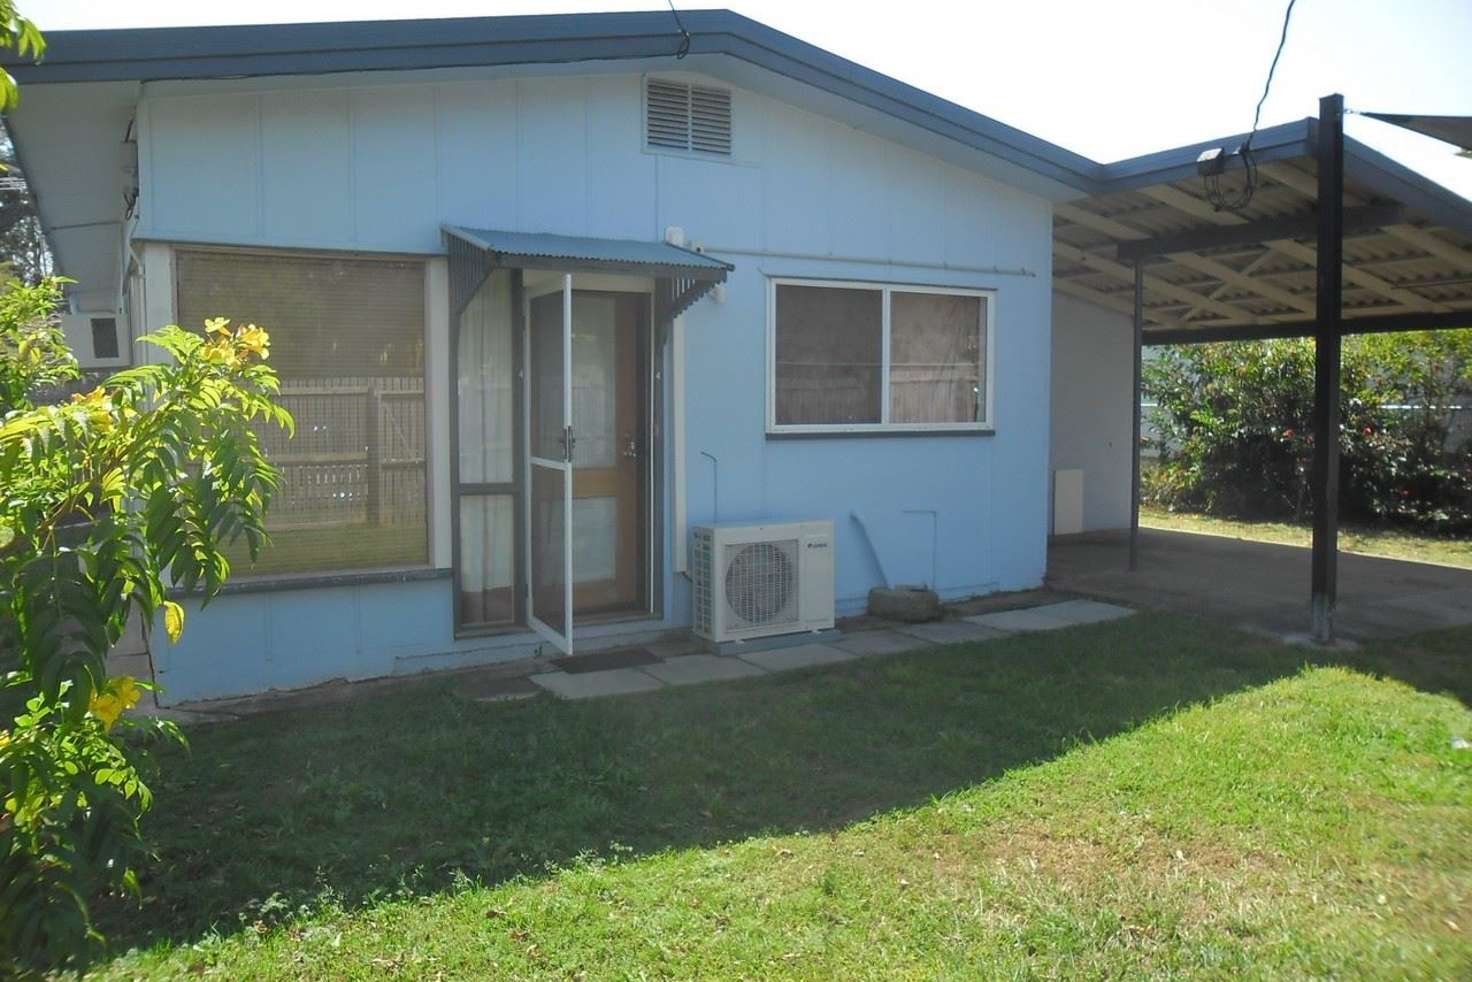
347,340
861,356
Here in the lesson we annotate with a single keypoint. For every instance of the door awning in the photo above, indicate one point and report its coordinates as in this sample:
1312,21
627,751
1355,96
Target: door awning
682,276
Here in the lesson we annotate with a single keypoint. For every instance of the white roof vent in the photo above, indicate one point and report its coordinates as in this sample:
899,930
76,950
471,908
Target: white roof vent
681,116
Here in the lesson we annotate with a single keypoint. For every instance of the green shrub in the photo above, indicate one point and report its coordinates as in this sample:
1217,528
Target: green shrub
109,499
1233,426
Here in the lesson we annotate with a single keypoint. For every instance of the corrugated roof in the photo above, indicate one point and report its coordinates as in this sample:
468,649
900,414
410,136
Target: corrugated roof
540,245
1225,275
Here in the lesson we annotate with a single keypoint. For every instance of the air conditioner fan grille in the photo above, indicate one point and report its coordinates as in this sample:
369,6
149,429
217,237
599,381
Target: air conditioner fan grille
761,583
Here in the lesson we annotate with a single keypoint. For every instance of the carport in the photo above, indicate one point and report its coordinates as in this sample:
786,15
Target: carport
1295,231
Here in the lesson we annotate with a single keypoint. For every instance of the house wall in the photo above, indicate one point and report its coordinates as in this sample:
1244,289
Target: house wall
1092,420
326,165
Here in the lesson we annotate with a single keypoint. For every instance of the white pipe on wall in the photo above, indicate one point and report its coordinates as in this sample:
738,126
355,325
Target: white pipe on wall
868,261
677,443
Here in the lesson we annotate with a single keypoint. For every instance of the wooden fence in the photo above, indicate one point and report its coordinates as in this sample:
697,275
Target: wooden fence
358,457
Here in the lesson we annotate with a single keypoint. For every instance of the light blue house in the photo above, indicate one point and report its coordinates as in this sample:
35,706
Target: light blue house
515,264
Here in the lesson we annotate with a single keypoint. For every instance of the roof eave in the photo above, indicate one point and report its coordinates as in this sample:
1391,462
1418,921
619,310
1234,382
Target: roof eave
316,49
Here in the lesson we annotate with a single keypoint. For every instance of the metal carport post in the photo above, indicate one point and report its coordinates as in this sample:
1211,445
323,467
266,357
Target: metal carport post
1138,335
1327,337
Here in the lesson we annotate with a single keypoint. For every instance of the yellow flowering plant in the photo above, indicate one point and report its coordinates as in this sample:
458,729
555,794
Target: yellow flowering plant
115,503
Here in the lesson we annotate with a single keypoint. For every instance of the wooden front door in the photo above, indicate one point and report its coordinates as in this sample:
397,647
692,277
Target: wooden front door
610,396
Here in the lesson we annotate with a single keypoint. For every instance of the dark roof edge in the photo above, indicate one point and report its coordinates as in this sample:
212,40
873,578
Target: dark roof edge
386,45
1439,204
1282,142
1370,167
325,48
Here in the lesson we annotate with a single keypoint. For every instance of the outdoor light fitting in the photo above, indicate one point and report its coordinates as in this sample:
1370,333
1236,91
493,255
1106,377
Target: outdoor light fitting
1212,162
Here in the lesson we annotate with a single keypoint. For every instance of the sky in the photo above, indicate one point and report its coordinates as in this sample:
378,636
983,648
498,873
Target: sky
1107,80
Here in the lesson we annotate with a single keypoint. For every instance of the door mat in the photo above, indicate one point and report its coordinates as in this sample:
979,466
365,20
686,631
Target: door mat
599,661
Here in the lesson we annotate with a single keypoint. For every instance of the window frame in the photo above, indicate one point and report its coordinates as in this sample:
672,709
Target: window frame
274,579
884,427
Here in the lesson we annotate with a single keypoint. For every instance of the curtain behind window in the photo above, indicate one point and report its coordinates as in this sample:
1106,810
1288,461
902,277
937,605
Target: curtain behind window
829,354
486,388
936,361
347,340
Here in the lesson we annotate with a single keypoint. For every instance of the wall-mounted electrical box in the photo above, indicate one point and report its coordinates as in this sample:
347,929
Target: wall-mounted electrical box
99,340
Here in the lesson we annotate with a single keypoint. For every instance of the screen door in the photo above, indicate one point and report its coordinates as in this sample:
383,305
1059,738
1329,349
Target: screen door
550,444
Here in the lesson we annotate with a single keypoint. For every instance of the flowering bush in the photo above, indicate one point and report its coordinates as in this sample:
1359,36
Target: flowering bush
1234,429
110,501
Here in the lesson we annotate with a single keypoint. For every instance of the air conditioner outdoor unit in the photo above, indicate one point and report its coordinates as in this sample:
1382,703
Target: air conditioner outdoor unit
753,581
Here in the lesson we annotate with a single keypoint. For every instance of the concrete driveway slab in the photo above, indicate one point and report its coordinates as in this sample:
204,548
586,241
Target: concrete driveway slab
593,685
695,669
798,656
1265,585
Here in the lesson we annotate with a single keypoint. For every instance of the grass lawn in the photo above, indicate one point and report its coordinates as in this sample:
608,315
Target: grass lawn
1150,797
1370,541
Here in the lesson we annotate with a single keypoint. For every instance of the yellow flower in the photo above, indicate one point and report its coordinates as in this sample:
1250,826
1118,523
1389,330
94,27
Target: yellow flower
126,689
217,325
120,695
98,408
220,353
255,340
107,707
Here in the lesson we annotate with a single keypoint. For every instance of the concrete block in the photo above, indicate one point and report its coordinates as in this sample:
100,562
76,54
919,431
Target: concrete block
594,685
801,656
695,669
908,604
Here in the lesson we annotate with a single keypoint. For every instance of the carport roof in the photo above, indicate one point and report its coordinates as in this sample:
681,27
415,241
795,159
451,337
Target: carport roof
1228,275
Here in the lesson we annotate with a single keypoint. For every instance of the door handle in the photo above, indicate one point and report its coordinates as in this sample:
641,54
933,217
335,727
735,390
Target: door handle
569,442
631,448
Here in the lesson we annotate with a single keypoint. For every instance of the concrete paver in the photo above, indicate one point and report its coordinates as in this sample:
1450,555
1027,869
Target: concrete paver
1051,617
695,669
593,685
798,656
675,647
952,632
879,643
